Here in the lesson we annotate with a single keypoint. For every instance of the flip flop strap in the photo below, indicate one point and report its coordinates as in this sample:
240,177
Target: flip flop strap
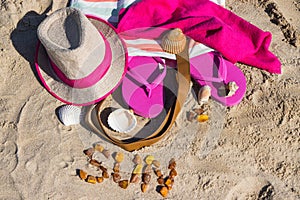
155,83
222,72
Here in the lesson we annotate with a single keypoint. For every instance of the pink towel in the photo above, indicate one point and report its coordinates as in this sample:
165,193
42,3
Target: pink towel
205,22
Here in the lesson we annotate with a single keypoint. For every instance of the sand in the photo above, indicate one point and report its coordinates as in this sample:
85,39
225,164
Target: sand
249,151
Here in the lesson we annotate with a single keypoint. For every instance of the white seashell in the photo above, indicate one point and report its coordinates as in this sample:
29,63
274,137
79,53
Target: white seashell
232,87
69,114
122,120
204,94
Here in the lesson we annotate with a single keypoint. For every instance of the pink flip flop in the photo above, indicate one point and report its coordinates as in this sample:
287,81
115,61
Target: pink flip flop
213,70
142,86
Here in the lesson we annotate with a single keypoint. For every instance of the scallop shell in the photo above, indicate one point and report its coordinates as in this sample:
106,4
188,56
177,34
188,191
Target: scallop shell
232,88
122,120
69,114
174,41
204,94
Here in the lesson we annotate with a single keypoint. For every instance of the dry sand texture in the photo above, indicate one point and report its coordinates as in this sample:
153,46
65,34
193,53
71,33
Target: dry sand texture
250,151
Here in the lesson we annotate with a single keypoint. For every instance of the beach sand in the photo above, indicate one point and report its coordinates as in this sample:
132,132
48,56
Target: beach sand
249,151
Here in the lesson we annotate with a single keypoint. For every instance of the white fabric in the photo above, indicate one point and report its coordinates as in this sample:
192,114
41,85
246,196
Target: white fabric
109,11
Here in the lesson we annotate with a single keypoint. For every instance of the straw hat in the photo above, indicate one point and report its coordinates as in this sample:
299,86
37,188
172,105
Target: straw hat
80,59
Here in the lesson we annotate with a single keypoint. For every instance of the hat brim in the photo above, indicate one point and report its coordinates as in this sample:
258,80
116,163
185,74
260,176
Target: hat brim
105,86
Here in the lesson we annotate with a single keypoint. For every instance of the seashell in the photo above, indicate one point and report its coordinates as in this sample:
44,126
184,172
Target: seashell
69,114
204,94
122,120
174,41
232,87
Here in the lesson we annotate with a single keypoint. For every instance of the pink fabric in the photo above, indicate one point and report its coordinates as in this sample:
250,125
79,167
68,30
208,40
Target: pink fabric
144,98
213,70
205,22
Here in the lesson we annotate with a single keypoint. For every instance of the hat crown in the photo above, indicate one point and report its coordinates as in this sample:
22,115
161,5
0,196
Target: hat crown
72,42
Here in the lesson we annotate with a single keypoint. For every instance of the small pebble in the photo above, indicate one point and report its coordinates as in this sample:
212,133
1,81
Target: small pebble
158,173
116,168
91,179
202,118
156,163
148,169
105,174
169,183
137,159
82,174
99,147
116,177
149,160
106,153
146,178
95,163
123,184
138,169
89,152
198,111
191,116
172,164
134,178
164,191
173,173
99,179
144,187
160,180
119,157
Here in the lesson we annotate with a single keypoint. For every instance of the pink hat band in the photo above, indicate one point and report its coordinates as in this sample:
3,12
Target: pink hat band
93,77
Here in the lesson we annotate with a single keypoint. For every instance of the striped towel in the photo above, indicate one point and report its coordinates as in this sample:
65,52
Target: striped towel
109,11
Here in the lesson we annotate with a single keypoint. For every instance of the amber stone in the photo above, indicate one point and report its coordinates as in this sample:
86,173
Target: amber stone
123,184
82,174
91,179
164,191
